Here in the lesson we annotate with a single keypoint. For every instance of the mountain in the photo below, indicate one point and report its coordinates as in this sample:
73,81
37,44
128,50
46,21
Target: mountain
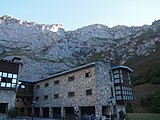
47,49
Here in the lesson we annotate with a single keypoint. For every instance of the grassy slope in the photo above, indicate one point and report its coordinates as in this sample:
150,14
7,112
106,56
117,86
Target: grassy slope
143,116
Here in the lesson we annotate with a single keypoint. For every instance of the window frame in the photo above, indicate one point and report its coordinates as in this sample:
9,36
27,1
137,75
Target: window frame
56,82
87,74
88,92
71,94
71,78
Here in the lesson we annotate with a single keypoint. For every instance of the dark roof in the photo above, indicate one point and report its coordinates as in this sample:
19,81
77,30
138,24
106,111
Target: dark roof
27,81
68,71
122,67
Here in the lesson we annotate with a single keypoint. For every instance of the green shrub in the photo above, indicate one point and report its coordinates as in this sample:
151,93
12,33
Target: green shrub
129,108
12,113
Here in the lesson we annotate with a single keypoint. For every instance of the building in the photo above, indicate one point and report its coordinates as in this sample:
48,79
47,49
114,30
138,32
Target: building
96,88
8,84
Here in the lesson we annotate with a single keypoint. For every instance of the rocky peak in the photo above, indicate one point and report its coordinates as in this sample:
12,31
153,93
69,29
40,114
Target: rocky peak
10,21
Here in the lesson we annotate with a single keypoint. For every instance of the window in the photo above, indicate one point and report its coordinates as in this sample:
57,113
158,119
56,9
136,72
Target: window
121,76
71,78
116,81
119,97
117,87
46,84
8,85
13,86
37,98
14,75
56,96
116,75
45,97
3,84
122,80
37,86
4,75
118,92
0,73
4,107
9,75
89,92
70,94
115,71
88,74
14,80
56,82
112,91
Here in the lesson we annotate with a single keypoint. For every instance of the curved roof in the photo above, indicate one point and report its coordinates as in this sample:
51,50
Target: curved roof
122,67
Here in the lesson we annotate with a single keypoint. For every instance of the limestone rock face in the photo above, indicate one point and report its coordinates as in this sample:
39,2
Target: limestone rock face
46,49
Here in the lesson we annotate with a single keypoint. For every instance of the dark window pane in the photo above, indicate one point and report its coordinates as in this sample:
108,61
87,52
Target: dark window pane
89,92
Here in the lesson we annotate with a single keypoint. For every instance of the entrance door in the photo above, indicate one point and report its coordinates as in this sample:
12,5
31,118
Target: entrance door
37,112
3,108
90,110
69,112
46,112
56,112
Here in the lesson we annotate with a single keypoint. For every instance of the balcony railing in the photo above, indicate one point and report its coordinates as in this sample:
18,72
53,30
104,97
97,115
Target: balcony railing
24,92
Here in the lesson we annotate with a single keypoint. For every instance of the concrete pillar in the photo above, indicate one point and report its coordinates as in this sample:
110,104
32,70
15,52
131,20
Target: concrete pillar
63,112
50,112
98,112
41,112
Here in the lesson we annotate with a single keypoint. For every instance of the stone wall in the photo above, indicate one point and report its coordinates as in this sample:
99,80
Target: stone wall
79,86
103,83
103,87
3,117
8,97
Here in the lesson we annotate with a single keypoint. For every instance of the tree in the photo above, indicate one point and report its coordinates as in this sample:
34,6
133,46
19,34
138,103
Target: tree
151,103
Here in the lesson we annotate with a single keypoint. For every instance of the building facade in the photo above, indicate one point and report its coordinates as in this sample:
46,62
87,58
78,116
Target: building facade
96,89
8,84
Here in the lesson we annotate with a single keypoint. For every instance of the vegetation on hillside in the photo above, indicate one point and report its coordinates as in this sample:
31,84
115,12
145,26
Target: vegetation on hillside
152,103
146,68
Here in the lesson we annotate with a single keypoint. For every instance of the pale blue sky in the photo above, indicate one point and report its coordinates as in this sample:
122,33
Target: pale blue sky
73,14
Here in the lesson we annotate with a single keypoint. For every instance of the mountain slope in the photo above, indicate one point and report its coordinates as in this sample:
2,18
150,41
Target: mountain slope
46,49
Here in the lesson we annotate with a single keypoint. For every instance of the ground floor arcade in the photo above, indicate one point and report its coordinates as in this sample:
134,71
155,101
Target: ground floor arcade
68,112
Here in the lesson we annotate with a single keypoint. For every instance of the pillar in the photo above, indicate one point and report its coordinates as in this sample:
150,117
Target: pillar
98,112
41,112
77,111
63,112
50,113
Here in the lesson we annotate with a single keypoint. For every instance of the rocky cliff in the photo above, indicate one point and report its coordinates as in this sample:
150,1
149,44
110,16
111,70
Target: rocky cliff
46,49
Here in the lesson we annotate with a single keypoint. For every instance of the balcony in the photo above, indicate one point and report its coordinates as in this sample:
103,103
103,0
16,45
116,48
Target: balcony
25,89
